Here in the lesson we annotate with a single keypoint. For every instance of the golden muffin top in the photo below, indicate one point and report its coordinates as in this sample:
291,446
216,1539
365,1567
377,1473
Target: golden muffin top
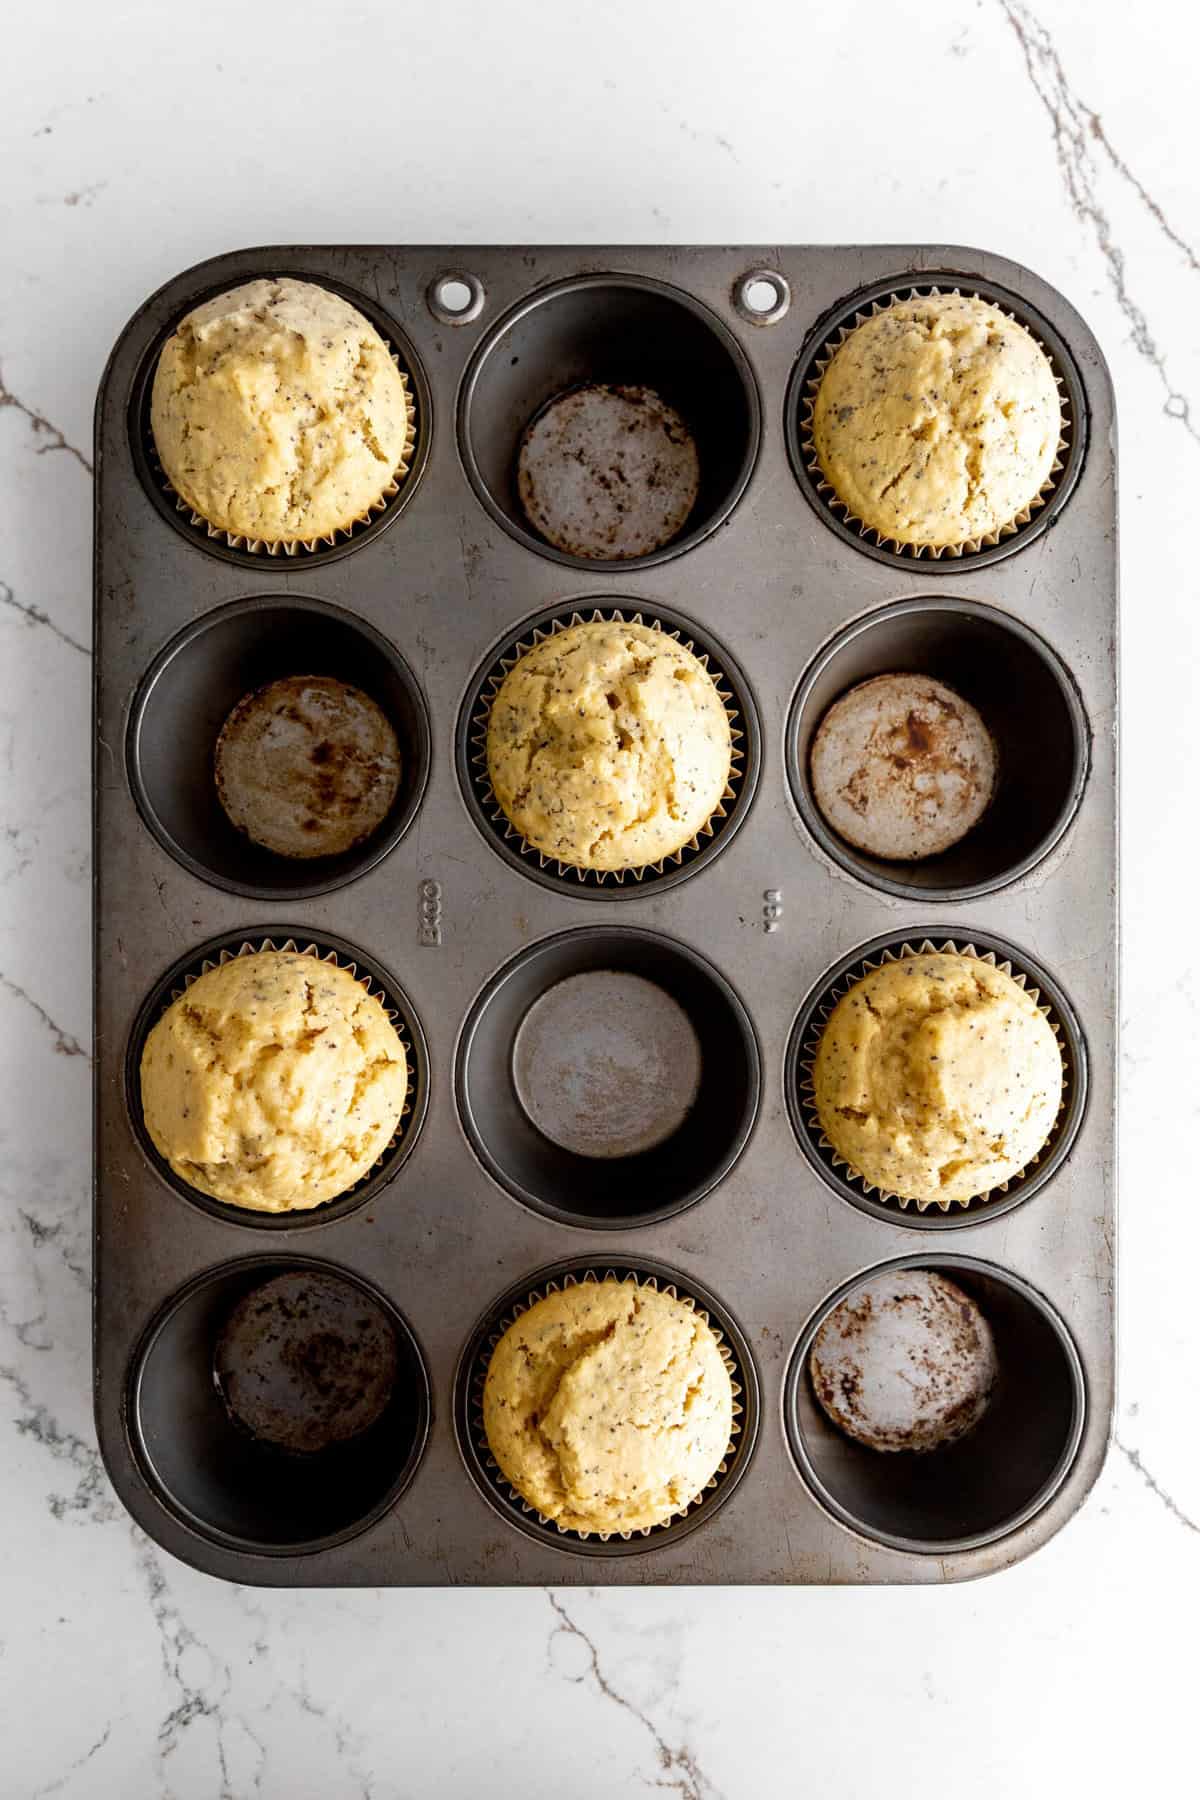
937,1078
278,412
608,745
937,420
274,1082
608,1406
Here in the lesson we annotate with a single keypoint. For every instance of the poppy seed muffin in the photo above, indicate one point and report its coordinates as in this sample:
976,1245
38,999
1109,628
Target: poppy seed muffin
608,1406
608,745
274,1082
937,421
906,1362
278,412
307,766
902,767
608,472
937,1078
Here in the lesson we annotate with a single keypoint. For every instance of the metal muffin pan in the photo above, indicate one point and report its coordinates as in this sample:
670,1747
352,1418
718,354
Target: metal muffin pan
418,605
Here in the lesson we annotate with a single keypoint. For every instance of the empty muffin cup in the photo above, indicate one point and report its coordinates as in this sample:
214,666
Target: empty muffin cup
1029,703
714,834
837,326
612,332
976,1490
187,695
252,552
847,1182
608,1077
377,981
471,1375
278,1480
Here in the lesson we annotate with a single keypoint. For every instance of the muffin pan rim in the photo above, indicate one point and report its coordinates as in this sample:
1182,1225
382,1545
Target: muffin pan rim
1078,623
1028,1182
1077,427
379,843
395,1154
283,1262
700,1511
799,781
796,1372
685,540
722,825
300,555
472,1019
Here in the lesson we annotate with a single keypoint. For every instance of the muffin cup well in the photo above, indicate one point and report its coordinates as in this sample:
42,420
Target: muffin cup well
233,1489
471,1375
1028,701
608,884
371,976
610,330
251,552
186,696
832,1167
815,358
611,1190
991,1481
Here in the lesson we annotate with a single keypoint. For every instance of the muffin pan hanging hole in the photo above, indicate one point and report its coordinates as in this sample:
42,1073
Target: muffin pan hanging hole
805,1032
238,1489
762,296
608,1076
607,884
274,558
187,694
1029,703
455,298
471,1374
991,1481
825,340
611,331
372,975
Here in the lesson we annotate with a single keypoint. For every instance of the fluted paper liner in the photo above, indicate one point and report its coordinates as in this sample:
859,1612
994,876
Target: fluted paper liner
277,546
833,500
478,1377
479,763
817,1024
403,1032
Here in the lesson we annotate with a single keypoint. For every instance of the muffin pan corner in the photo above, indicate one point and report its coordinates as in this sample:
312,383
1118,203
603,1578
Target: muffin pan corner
503,1176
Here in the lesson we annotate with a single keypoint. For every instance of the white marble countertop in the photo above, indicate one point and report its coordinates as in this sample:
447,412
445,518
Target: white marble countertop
139,139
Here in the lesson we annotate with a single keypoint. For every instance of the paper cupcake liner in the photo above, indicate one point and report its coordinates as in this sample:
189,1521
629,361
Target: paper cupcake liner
277,547
478,1375
896,546
481,779
405,1032
839,989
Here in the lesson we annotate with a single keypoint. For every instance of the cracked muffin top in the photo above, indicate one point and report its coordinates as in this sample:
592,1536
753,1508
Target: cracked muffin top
608,1406
278,412
937,1078
937,421
608,746
274,1082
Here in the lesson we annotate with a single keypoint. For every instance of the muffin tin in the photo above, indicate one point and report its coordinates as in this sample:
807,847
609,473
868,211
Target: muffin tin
475,1208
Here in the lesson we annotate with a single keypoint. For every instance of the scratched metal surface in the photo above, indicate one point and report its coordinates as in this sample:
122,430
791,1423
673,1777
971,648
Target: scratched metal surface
443,582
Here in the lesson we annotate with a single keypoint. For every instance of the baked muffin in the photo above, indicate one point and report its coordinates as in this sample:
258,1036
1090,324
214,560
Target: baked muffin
906,1362
274,1082
902,767
307,766
608,472
278,412
608,746
306,1361
937,1078
608,1406
937,421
